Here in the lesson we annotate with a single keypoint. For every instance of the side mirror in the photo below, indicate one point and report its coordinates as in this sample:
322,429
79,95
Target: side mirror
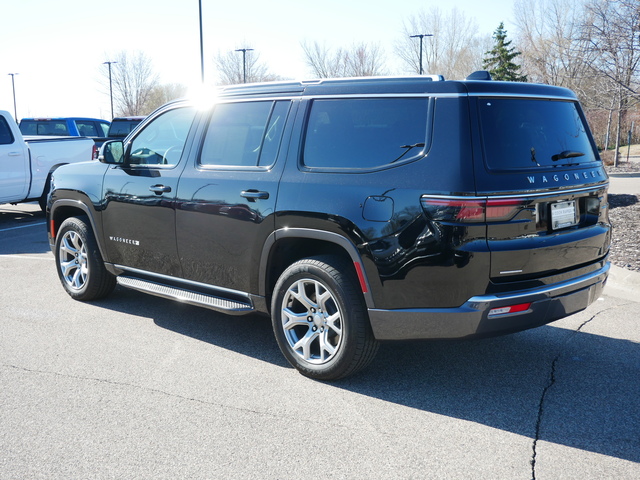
112,152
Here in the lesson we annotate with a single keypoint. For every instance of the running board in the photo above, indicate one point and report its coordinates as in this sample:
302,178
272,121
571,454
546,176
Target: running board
231,307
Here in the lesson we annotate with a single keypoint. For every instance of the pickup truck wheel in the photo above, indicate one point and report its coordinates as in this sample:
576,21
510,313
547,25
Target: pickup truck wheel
79,263
320,321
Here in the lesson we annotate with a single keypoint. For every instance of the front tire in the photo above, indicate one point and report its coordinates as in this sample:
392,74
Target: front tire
79,263
320,321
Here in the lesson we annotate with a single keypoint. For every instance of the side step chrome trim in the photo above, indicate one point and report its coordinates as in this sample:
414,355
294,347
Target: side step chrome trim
232,307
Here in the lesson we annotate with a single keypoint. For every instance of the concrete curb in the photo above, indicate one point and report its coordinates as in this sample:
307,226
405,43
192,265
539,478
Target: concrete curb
624,174
623,283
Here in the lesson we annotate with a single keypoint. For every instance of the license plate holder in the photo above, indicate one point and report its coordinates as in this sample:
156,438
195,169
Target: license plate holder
563,214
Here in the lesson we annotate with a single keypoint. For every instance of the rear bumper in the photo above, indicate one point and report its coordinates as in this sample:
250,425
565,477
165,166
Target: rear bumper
548,303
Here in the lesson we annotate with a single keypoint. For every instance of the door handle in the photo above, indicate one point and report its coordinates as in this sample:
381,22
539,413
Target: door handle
254,195
14,154
160,189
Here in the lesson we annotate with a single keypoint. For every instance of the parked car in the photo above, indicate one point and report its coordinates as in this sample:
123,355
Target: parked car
27,164
120,127
351,211
65,127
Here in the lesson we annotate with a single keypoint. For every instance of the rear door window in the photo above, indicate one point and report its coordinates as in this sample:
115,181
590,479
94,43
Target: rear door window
86,128
365,133
524,134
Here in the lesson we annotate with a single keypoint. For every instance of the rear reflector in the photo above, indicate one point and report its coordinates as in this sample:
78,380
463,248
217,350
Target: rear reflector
521,307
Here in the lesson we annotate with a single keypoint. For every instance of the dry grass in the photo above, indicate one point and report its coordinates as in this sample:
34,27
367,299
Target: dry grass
608,155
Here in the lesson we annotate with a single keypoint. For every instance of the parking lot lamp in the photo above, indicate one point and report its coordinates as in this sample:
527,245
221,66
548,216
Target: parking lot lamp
421,36
110,87
244,62
13,85
201,42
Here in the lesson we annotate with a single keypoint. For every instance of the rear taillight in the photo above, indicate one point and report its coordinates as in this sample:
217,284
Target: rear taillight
471,210
95,152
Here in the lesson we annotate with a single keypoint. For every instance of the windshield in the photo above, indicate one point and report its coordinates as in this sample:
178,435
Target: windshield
532,133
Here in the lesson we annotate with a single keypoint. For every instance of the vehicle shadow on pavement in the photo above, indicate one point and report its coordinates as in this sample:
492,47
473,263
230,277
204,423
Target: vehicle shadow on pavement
249,335
549,384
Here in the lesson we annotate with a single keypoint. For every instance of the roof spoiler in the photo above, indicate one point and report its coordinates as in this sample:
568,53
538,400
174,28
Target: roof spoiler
480,75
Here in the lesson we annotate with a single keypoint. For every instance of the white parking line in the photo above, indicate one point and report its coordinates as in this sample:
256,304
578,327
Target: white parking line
23,226
26,257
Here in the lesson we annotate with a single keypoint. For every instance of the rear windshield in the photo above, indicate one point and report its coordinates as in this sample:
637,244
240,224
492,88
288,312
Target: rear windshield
122,128
356,133
532,133
44,127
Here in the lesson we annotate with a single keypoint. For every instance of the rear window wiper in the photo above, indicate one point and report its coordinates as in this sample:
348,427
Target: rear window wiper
408,149
566,154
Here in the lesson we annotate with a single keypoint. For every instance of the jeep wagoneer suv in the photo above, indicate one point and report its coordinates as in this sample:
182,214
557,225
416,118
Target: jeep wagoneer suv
351,211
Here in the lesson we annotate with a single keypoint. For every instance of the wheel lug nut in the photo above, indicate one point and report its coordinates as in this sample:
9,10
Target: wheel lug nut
310,318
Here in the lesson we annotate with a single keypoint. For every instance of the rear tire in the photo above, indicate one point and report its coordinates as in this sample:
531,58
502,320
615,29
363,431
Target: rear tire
320,320
78,261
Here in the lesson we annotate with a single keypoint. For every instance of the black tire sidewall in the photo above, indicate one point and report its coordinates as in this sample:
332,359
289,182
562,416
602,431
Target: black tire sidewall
350,303
93,287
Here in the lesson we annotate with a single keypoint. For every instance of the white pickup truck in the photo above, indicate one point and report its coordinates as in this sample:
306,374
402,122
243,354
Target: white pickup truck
26,163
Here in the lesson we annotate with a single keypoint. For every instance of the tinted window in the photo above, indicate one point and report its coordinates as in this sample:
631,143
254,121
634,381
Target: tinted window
162,140
122,128
86,129
103,129
44,127
6,137
244,134
528,133
365,133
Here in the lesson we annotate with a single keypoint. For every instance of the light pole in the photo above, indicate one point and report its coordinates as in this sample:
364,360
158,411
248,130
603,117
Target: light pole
244,62
201,43
421,36
13,85
110,88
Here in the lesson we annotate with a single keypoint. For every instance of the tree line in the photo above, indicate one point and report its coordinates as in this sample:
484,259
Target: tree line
589,46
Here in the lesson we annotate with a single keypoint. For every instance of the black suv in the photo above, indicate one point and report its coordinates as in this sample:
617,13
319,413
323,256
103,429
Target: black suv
351,211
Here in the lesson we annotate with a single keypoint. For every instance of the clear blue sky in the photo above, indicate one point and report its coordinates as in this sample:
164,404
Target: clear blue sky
58,47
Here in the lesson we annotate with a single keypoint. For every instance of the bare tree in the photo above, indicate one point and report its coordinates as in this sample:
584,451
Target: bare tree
234,65
361,60
612,31
553,51
455,49
133,80
165,93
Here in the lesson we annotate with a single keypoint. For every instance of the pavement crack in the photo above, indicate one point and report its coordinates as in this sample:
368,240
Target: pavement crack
138,387
550,383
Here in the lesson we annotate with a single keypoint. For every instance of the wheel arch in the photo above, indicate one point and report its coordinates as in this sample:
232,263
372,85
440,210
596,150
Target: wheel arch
66,208
288,245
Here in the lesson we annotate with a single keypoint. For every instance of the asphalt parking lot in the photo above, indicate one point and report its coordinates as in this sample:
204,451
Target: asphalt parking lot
137,387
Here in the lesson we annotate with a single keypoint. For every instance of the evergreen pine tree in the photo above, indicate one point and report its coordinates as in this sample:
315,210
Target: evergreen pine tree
499,59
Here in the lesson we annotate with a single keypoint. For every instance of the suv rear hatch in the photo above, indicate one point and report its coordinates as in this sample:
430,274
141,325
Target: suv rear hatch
544,188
